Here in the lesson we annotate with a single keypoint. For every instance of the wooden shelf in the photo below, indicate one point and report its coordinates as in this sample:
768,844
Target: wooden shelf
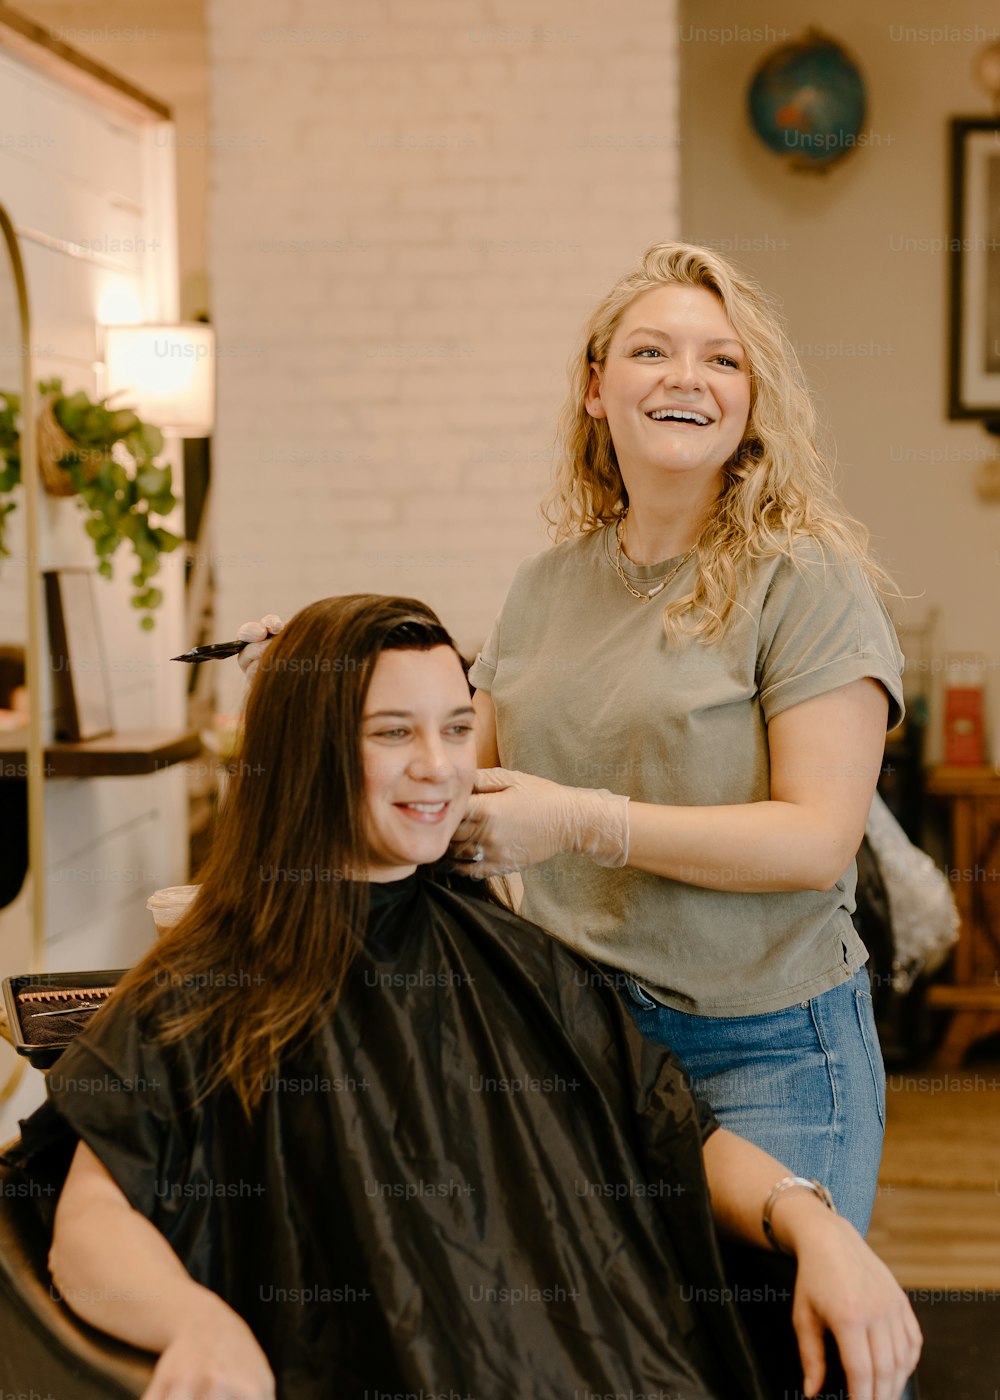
953,781
128,753
981,997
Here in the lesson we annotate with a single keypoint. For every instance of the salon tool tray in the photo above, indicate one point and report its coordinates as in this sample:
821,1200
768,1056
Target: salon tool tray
42,1009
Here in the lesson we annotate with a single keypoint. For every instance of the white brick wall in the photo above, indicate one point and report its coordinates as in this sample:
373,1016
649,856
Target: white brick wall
413,208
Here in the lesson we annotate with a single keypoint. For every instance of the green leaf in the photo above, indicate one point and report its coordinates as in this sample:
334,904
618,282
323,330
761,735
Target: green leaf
152,480
119,477
122,421
165,541
145,548
152,439
74,470
69,412
147,624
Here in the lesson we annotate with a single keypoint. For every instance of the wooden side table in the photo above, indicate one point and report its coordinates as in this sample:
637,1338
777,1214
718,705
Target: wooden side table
973,796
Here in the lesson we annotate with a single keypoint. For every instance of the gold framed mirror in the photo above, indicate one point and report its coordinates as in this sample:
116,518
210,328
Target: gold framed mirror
22,770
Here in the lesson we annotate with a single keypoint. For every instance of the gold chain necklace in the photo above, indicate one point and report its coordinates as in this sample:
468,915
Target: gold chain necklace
643,597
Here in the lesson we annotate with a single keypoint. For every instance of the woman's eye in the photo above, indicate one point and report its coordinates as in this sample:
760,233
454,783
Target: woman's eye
728,360
647,351
389,734
461,730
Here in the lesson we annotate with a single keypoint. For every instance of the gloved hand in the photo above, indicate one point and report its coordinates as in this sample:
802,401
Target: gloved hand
514,820
258,634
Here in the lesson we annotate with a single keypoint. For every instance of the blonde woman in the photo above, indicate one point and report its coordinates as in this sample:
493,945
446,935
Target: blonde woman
689,696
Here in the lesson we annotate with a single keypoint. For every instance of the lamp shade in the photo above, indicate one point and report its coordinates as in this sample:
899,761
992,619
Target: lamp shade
165,373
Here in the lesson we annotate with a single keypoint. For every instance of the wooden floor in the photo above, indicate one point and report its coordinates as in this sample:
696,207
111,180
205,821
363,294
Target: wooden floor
939,1238
936,1221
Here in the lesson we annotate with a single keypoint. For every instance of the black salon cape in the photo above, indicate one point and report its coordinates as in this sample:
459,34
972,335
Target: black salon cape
477,1180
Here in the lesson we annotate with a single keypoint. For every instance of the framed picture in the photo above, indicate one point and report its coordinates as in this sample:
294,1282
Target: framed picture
79,672
974,371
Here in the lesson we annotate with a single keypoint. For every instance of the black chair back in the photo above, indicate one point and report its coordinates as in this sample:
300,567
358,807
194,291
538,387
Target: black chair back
45,1349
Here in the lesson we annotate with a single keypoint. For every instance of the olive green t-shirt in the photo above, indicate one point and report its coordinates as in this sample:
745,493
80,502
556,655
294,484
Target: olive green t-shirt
590,692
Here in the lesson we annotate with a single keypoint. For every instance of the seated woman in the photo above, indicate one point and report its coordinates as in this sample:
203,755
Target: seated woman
350,1129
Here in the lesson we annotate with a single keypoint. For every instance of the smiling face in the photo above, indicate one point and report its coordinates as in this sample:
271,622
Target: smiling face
419,758
674,387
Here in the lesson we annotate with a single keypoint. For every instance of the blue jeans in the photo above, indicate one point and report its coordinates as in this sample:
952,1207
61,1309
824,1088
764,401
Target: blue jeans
806,1084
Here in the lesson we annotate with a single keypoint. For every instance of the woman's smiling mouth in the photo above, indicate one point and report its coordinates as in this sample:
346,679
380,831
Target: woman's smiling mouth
423,811
679,415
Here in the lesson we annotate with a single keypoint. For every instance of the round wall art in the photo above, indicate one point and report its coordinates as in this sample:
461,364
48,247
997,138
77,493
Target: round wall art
807,102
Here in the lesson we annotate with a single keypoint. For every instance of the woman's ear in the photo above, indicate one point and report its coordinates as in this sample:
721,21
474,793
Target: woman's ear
592,399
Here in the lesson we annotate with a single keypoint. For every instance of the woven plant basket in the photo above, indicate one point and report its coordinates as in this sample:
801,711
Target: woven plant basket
54,444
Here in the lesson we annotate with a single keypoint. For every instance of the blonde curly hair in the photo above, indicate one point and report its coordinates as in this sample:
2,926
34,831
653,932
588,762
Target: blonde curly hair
778,487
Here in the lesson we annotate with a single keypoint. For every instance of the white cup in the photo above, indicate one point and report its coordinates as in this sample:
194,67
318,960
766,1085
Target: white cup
169,906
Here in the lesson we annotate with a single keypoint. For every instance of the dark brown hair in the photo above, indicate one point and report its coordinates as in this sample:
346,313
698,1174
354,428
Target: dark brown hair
262,954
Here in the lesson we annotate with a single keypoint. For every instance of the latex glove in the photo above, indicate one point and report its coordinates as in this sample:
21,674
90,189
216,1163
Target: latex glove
842,1287
258,634
516,820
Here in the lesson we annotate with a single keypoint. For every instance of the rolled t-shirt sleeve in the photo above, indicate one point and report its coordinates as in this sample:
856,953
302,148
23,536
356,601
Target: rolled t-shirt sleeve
484,668
822,627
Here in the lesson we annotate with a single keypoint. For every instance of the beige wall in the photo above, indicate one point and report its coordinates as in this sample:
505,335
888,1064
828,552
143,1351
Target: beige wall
856,258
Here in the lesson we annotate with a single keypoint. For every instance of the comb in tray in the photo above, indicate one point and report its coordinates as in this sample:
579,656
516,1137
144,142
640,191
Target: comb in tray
47,1009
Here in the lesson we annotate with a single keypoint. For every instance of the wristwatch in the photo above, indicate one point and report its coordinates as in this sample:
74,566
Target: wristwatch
778,1189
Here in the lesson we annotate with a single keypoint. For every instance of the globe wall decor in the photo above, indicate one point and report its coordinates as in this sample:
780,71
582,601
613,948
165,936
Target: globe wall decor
807,102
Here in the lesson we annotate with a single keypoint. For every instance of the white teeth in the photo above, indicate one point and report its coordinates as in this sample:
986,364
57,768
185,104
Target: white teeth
683,414
427,806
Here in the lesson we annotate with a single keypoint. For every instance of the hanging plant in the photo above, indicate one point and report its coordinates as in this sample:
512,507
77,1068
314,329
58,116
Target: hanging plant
106,457
10,459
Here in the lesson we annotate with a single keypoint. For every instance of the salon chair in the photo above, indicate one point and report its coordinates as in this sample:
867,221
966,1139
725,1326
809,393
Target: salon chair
45,1349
